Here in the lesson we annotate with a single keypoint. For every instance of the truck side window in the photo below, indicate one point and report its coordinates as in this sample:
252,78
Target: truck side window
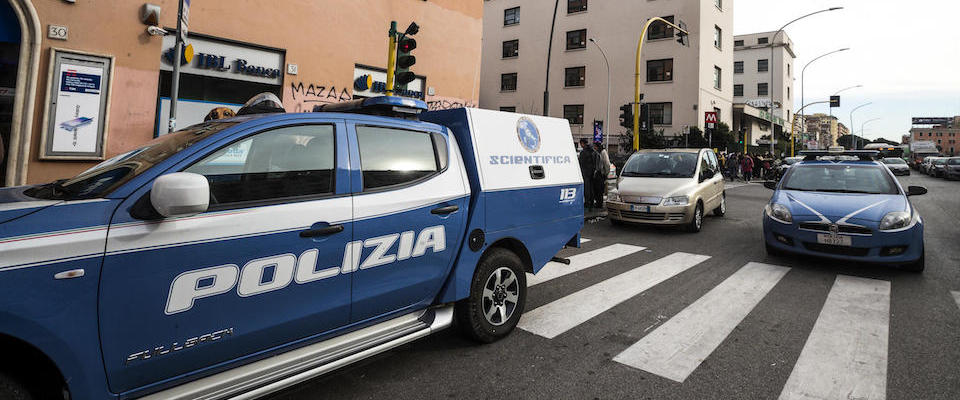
390,156
280,163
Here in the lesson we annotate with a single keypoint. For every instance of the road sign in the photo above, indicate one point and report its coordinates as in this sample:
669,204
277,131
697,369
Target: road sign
834,101
710,118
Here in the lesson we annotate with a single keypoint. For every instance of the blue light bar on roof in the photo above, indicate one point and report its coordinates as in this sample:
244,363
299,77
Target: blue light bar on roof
394,106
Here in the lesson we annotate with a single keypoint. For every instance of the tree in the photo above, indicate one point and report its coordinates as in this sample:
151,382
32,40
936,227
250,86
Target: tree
847,141
885,141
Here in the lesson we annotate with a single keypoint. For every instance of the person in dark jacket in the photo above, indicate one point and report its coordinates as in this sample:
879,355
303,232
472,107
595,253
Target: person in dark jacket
589,161
600,178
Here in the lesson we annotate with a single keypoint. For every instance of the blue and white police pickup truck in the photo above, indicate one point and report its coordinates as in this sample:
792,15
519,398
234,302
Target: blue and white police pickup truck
241,256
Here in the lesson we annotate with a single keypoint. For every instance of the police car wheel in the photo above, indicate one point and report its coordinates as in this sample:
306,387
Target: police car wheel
498,293
10,389
721,210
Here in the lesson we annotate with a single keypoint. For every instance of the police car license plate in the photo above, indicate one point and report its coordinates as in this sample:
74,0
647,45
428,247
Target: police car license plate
835,240
637,208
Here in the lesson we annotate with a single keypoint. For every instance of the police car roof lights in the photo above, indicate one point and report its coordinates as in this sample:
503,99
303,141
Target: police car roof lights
390,106
863,155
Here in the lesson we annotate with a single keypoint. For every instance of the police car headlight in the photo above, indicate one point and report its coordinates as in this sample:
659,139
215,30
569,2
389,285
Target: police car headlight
779,213
676,201
896,220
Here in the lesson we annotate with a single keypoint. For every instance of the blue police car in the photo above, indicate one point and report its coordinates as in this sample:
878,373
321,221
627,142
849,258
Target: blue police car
241,256
844,205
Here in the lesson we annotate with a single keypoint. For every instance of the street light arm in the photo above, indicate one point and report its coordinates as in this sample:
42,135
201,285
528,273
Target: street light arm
636,76
799,18
821,56
847,88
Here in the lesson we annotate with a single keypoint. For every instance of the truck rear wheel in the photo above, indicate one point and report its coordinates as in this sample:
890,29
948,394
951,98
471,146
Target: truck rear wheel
10,389
498,293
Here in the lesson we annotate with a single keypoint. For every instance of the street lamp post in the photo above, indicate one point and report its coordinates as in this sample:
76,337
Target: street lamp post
606,121
841,91
546,85
862,126
683,34
803,125
851,117
773,45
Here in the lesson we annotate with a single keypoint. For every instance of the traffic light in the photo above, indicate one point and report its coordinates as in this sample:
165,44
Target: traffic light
644,117
405,59
683,38
740,137
626,115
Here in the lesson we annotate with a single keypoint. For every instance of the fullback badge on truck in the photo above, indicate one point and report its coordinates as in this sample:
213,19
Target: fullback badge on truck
254,278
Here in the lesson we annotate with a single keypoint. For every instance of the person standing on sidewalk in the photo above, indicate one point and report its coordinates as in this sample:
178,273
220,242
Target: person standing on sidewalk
589,161
747,166
600,186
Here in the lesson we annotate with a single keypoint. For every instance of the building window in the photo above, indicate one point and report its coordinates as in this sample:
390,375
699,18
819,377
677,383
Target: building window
508,82
717,36
738,90
716,77
511,16
511,48
577,39
719,4
573,113
661,113
508,109
738,67
660,70
738,43
660,30
788,69
763,89
763,65
575,6
788,92
575,77
763,40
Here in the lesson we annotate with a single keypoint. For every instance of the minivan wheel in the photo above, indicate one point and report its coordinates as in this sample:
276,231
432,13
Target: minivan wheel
697,222
721,210
498,293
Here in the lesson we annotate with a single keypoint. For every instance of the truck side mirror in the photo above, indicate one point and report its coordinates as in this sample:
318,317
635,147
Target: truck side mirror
180,194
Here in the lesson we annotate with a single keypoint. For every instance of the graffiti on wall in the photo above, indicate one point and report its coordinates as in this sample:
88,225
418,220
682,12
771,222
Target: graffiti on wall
445,103
305,95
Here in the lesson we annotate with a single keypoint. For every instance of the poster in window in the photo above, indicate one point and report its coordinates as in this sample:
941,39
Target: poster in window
76,110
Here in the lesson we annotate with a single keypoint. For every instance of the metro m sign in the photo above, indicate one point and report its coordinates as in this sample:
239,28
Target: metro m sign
710,119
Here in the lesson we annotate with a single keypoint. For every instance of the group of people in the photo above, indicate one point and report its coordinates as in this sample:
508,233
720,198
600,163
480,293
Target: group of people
747,166
595,167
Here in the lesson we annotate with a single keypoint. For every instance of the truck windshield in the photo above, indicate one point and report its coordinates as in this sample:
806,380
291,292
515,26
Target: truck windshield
110,174
661,164
840,179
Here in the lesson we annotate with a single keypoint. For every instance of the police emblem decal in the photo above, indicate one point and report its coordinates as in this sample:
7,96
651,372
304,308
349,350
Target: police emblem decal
528,134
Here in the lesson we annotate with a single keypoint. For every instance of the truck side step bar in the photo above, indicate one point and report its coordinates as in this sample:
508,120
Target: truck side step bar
283,370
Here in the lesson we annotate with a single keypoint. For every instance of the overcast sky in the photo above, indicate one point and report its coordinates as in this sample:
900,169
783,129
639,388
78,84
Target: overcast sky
908,67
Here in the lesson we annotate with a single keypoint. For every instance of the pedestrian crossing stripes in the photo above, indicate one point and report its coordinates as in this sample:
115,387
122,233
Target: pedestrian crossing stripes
845,356
581,262
676,348
566,313
584,240
956,296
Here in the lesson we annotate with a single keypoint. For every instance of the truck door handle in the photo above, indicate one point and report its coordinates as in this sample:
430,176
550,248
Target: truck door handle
536,172
444,210
327,230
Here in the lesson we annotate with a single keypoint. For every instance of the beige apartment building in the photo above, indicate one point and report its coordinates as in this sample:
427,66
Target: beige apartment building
823,130
753,90
101,55
679,83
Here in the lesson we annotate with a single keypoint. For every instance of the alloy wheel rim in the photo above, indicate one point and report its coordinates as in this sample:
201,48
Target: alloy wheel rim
501,293
699,217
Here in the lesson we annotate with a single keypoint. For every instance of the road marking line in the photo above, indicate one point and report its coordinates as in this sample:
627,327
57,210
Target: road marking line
566,313
676,348
584,240
581,262
956,296
845,356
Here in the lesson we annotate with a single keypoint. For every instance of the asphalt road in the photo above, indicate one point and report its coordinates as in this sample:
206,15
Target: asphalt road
779,327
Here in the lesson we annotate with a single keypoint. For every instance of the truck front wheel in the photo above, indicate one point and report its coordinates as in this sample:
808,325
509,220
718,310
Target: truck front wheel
498,293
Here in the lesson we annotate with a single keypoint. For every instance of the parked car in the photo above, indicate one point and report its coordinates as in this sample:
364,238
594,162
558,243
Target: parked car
668,187
952,170
896,165
847,210
937,167
241,256
926,163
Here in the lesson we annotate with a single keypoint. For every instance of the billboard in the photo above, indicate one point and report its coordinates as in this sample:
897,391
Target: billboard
932,120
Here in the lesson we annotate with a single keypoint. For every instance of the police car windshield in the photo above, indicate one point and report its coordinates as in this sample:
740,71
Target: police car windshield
840,178
110,174
661,164
891,160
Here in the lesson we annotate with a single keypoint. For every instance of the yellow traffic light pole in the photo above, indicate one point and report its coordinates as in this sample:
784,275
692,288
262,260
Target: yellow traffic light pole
793,125
636,77
391,57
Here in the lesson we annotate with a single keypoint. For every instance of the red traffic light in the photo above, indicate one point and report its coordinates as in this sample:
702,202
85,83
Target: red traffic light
407,45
